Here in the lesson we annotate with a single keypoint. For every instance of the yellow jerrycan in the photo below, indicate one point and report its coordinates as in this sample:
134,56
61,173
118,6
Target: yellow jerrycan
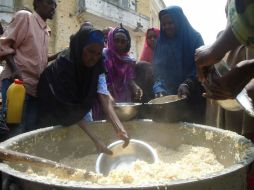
15,102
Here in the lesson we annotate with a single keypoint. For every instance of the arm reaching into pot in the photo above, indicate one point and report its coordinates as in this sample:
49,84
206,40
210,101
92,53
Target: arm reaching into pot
100,146
106,101
107,106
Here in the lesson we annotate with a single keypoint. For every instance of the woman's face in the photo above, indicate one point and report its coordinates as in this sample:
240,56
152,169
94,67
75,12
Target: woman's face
120,42
91,54
168,25
151,38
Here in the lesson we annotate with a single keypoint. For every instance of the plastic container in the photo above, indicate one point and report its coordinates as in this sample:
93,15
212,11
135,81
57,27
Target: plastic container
15,102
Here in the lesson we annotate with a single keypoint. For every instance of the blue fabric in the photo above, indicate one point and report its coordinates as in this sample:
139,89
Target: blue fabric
174,57
102,85
96,37
89,116
101,89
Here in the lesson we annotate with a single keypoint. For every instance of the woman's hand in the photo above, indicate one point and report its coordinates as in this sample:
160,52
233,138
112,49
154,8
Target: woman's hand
204,58
231,84
122,134
136,91
217,90
184,91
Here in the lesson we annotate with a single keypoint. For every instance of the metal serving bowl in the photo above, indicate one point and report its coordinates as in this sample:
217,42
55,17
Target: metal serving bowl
126,111
123,157
166,99
168,108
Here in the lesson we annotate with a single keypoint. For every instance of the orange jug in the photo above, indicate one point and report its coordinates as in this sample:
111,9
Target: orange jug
15,102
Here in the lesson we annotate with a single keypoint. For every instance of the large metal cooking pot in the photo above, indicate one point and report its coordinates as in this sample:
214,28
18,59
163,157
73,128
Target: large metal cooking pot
55,143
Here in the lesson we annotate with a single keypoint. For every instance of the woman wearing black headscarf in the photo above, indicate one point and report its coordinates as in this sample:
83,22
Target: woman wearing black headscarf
68,87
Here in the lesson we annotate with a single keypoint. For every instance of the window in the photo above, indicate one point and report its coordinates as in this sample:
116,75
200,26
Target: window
6,6
126,4
115,2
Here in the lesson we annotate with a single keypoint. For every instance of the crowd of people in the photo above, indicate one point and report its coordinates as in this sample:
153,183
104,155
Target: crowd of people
96,70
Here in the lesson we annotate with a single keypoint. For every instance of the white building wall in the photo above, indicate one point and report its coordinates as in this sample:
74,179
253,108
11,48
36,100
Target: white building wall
6,17
6,11
116,14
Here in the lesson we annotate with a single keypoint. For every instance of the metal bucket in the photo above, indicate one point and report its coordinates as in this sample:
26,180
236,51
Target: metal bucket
56,143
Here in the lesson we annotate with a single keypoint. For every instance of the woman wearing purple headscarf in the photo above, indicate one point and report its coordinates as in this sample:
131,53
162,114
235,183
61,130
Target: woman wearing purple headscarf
120,67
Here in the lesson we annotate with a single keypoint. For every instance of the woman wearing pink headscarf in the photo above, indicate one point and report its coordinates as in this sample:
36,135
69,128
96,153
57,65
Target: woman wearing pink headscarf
120,67
151,36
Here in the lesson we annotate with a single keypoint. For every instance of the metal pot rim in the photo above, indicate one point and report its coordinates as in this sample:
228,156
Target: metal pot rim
126,104
153,101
